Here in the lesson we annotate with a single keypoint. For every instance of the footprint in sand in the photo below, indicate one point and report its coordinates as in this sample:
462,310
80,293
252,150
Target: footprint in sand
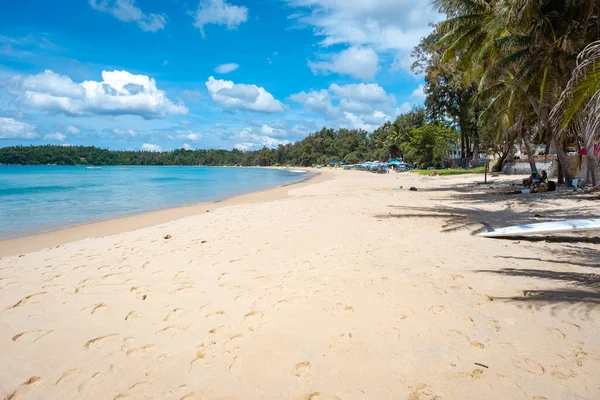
563,373
139,385
127,343
437,309
253,313
237,365
68,375
172,330
132,316
477,344
215,314
138,350
34,380
28,299
530,366
95,308
222,276
201,355
89,383
579,355
320,396
340,308
423,392
99,341
176,312
302,369
34,336
557,333
477,373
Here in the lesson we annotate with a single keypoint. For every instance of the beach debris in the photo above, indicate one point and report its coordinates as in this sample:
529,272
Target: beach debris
204,241
413,189
144,297
482,365
167,237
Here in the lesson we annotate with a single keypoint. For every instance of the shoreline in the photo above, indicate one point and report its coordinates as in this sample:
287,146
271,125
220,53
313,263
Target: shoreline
35,242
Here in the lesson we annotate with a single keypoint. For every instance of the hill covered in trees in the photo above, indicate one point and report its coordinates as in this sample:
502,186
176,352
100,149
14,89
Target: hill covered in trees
410,136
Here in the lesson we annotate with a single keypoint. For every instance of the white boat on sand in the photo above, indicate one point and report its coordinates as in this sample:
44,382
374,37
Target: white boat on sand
544,228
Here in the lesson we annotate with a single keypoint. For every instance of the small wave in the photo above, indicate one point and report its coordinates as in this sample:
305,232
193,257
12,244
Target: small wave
297,171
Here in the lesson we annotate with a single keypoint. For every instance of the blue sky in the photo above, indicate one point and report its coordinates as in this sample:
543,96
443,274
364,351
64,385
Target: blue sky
168,74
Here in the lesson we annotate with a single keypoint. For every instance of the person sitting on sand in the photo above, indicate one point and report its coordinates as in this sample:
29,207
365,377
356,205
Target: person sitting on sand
541,180
529,181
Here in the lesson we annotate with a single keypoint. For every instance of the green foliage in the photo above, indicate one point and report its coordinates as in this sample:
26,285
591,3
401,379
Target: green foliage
428,144
446,172
523,56
352,158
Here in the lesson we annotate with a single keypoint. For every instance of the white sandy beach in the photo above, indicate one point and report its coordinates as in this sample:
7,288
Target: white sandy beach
339,288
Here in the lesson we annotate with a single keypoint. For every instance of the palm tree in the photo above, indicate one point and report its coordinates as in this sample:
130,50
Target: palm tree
579,105
524,46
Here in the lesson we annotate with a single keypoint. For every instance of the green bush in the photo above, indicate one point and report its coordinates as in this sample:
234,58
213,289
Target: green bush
352,158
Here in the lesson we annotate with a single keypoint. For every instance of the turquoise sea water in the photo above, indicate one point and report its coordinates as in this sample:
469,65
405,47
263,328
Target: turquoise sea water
36,199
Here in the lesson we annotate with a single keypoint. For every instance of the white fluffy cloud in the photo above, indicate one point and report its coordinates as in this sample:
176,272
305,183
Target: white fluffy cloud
247,139
419,93
219,12
268,130
119,93
127,11
392,27
125,132
318,101
150,147
226,68
242,97
73,130
350,105
13,129
383,24
371,92
357,61
187,146
186,135
368,122
404,108
57,137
